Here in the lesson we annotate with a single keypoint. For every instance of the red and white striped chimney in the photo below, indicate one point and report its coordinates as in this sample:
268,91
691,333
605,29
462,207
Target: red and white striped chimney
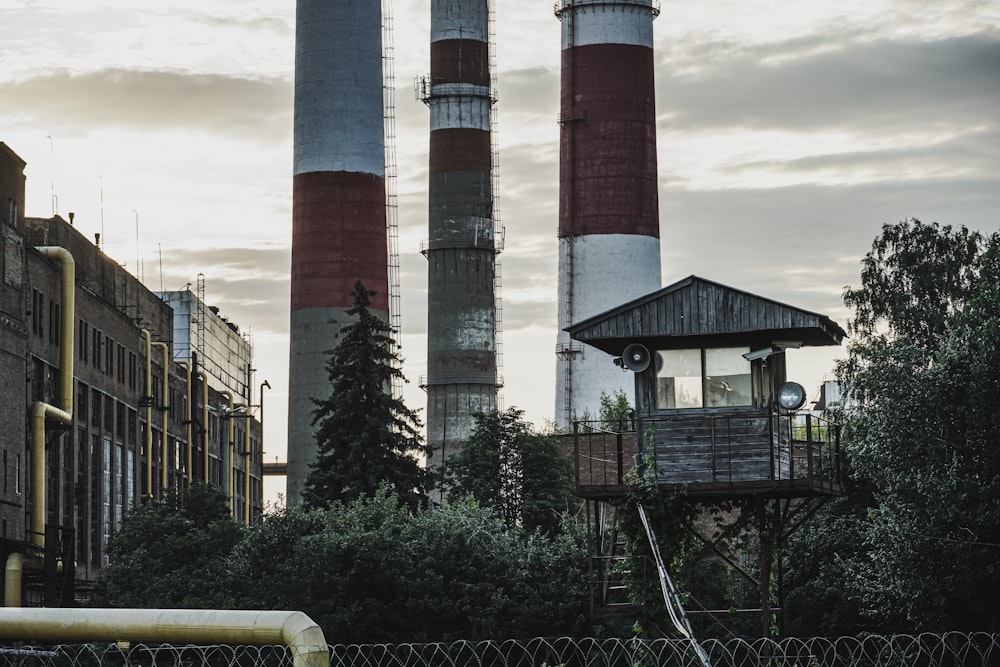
338,199
461,251
609,230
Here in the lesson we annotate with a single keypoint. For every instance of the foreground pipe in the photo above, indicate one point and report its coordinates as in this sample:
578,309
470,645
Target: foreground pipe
176,626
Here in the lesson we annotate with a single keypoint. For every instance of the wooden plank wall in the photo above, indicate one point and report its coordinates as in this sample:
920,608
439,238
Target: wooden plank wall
717,448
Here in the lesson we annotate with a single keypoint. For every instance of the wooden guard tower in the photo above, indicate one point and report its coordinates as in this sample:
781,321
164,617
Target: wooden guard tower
715,418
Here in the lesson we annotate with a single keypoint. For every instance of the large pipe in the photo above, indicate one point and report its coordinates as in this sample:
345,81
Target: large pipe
187,420
40,412
164,414
176,626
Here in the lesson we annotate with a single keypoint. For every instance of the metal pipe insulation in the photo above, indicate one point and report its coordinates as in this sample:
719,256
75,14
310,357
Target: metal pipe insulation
12,580
176,626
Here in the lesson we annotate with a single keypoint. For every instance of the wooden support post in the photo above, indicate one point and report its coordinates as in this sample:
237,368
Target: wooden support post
765,569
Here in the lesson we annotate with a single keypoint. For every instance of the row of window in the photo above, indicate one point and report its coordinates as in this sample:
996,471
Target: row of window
40,306
100,351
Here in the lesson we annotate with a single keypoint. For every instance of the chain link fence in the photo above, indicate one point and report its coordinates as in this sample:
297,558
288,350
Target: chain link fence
951,649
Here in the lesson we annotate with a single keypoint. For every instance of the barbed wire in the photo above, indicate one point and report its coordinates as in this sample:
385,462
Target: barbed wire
950,649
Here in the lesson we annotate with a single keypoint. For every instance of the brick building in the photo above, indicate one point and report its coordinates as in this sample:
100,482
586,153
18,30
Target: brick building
142,422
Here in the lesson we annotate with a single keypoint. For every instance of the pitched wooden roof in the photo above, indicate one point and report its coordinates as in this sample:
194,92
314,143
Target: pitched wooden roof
695,312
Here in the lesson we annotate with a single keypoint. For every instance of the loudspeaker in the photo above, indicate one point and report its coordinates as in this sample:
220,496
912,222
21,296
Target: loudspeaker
636,357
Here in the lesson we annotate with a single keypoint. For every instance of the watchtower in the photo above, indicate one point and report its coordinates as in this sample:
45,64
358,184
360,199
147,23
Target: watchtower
715,417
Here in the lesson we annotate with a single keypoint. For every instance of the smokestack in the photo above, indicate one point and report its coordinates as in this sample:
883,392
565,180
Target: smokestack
338,199
461,251
609,245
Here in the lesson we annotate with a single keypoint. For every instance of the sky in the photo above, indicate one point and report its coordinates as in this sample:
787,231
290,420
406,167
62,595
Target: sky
788,133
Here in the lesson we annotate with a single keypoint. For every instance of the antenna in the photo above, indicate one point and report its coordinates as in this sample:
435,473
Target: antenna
52,176
102,208
137,246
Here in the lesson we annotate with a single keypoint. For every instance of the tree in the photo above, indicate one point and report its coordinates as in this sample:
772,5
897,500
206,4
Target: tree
922,434
522,474
366,437
915,278
376,571
172,553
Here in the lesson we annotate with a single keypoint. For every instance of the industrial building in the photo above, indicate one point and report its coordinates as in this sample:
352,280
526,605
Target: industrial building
97,415
465,233
609,227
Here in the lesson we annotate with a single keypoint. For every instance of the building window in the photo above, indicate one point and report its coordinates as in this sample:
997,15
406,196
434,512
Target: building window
82,394
96,456
17,473
37,312
96,349
132,430
703,378
133,370
121,364
84,341
53,322
109,414
109,356
95,407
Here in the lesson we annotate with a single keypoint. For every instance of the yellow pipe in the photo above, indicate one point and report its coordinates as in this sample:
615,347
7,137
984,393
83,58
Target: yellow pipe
226,456
175,626
187,418
39,412
247,458
12,580
147,397
164,408
204,426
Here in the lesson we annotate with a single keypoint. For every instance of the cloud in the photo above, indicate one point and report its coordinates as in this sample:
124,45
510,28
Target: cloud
254,109
803,244
877,86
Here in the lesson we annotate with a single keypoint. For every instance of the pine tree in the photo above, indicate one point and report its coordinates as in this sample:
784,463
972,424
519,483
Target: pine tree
365,436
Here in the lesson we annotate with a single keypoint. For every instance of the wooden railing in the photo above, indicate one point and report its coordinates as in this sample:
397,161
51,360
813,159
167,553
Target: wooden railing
709,449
